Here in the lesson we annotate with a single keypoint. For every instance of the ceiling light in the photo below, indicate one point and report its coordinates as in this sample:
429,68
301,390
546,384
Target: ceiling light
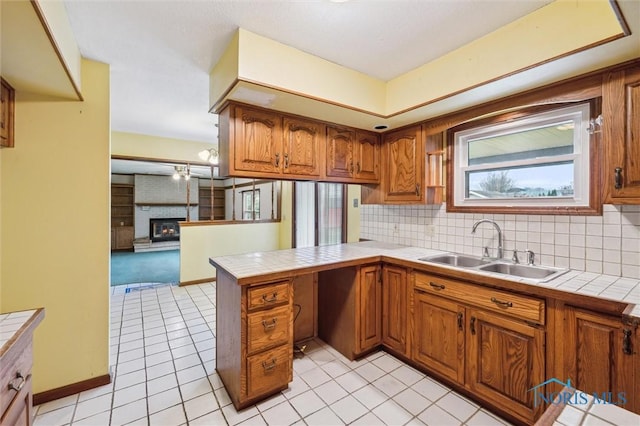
209,155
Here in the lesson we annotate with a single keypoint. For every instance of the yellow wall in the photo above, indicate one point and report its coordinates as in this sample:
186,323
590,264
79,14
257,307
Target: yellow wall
199,243
55,229
146,146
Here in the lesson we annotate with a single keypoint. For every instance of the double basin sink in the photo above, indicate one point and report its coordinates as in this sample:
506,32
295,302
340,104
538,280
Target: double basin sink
500,266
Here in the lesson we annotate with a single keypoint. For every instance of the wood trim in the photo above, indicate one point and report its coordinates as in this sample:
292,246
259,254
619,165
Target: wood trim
56,48
623,22
595,141
226,222
61,392
161,160
200,281
554,410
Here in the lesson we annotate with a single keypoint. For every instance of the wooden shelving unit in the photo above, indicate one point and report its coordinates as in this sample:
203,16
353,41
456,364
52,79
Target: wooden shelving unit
435,157
204,203
121,216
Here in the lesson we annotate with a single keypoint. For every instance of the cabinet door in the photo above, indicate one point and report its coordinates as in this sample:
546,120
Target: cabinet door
340,152
124,237
621,133
505,360
439,333
404,166
599,355
394,308
301,147
367,157
257,141
20,410
369,318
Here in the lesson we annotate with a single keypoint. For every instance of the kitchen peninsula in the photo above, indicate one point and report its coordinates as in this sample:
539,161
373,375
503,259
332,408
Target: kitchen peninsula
463,327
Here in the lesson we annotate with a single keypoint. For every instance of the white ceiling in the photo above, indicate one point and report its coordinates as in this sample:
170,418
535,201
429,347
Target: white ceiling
161,52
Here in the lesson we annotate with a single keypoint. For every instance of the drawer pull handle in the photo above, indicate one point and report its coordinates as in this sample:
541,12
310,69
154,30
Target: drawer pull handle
273,298
436,286
277,159
501,303
268,366
460,318
269,325
627,349
473,325
21,385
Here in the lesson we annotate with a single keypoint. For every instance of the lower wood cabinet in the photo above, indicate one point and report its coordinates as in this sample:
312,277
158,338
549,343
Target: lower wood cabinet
505,360
395,308
439,335
369,308
601,355
254,352
122,237
498,357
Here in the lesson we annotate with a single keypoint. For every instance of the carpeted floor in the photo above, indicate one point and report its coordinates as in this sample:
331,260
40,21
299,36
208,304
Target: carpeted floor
146,267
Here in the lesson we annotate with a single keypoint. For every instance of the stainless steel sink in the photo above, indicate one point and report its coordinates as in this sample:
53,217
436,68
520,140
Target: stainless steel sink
500,266
523,271
454,259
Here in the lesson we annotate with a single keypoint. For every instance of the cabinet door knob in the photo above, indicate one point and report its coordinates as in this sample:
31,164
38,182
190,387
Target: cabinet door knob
286,160
358,167
472,325
460,318
417,189
277,159
618,177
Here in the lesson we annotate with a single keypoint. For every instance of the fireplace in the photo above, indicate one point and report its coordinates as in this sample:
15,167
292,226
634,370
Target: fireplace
164,229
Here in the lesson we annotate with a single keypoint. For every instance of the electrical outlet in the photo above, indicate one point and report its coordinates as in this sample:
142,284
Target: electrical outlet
430,230
395,228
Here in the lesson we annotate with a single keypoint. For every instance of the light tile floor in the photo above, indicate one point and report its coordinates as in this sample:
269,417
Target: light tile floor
163,356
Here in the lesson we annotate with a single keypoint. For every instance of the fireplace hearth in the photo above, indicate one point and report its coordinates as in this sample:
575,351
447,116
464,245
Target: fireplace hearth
164,229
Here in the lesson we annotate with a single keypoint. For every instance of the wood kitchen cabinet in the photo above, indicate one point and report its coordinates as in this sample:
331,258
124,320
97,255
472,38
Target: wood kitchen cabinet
7,111
369,308
601,356
403,159
394,308
621,136
254,354
353,155
350,309
489,341
439,335
505,359
302,139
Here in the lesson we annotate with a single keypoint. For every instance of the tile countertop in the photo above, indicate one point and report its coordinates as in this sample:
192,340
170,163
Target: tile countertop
619,289
10,325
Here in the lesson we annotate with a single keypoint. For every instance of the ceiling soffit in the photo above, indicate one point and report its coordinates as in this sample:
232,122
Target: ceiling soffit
260,71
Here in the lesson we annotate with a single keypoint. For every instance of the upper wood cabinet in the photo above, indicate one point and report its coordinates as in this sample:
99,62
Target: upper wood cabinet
403,180
340,152
7,100
621,136
353,155
302,139
255,142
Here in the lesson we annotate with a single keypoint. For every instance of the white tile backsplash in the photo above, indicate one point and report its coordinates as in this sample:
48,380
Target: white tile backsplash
607,244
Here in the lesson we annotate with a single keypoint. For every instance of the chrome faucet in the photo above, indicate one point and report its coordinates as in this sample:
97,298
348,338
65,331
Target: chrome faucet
475,225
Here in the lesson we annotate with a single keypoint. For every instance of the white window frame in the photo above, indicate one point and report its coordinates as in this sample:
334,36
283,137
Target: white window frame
578,114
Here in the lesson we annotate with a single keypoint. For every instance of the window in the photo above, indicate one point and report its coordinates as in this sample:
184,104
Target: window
319,214
538,162
251,204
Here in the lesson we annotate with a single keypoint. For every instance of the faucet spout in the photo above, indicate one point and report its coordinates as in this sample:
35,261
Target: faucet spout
495,225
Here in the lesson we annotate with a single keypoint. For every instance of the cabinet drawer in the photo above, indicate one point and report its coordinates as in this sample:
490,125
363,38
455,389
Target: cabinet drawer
268,328
15,371
511,304
268,295
269,371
